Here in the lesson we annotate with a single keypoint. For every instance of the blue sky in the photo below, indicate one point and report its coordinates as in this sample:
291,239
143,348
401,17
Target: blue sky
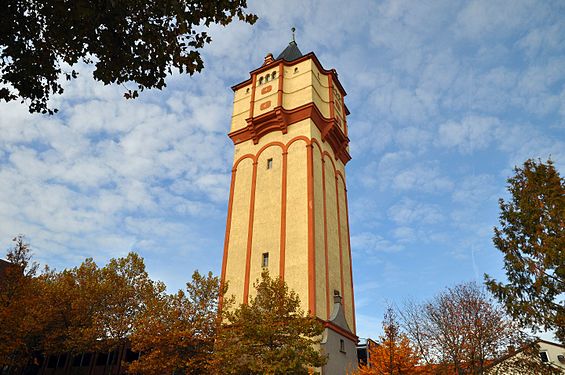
445,98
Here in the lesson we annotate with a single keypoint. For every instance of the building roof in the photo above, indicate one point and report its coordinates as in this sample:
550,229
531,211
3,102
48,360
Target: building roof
291,52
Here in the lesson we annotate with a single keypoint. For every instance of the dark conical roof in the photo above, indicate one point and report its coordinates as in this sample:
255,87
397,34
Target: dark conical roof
291,52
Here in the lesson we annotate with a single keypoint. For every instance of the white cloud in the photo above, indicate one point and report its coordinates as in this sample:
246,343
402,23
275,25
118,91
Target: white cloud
408,211
470,134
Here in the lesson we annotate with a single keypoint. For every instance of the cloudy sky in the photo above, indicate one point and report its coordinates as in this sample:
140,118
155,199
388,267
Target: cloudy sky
445,98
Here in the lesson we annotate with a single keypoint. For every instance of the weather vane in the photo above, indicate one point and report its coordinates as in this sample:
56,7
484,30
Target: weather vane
293,38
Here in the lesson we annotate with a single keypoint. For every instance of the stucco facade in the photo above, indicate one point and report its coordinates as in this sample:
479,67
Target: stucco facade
288,199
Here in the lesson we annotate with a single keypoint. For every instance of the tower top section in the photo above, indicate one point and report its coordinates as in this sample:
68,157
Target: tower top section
287,90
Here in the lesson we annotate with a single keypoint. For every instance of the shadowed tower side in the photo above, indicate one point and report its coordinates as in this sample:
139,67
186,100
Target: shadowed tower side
288,199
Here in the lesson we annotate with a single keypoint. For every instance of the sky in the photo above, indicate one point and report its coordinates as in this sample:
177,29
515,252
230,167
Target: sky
446,97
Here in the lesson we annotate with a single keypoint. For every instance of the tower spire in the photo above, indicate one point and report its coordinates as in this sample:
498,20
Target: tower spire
293,36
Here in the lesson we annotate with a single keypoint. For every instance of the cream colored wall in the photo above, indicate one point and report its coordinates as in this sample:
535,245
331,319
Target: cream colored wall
237,248
321,293
333,236
267,214
241,100
347,287
296,260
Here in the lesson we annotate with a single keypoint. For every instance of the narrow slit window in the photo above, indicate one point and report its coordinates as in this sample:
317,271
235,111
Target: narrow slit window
265,260
544,357
342,345
295,70
269,163
274,75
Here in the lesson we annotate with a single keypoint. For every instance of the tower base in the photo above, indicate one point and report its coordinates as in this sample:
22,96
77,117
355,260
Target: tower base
339,343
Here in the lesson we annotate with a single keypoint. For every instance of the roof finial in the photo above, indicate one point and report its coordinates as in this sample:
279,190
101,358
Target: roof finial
293,37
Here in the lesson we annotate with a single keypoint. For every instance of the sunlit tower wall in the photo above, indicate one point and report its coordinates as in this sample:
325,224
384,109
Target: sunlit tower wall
287,208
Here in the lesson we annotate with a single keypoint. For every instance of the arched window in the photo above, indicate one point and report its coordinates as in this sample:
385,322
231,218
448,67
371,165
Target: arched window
274,75
267,78
260,80
296,70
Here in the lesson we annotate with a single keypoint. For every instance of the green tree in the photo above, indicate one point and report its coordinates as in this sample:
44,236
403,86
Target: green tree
138,41
531,237
270,335
176,333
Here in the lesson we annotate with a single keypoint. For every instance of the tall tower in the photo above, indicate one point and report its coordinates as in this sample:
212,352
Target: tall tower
288,202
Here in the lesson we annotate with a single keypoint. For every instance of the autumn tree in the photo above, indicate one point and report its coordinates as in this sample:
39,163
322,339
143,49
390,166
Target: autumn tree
22,313
531,236
92,308
139,41
176,333
270,335
393,354
460,331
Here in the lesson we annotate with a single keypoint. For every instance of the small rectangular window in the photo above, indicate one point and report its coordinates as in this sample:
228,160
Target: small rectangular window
265,260
342,345
269,163
544,356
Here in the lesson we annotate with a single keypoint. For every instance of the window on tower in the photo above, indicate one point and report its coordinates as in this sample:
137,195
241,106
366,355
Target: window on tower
265,260
274,75
342,345
261,80
269,163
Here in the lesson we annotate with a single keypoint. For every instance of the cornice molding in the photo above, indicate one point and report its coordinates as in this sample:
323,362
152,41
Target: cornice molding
280,119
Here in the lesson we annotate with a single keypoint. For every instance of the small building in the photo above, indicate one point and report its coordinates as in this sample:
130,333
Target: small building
549,354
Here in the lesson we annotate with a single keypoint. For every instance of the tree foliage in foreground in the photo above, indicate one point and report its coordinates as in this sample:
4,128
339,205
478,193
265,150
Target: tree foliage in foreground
138,41
83,309
270,335
531,237
393,354
176,333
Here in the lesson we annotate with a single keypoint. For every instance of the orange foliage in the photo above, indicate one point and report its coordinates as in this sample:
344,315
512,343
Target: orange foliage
393,355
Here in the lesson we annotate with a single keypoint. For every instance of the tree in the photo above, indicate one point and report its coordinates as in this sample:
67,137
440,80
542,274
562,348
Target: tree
176,333
270,335
460,331
22,313
531,237
393,354
92,308
141,41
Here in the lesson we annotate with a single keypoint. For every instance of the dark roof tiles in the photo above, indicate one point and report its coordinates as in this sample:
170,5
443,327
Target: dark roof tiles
291,52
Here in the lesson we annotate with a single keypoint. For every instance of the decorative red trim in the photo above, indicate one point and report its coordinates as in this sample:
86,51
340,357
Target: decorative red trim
311,231
250,234
265,105
227,239
349,335
280,118
283,216
310,55
266,89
